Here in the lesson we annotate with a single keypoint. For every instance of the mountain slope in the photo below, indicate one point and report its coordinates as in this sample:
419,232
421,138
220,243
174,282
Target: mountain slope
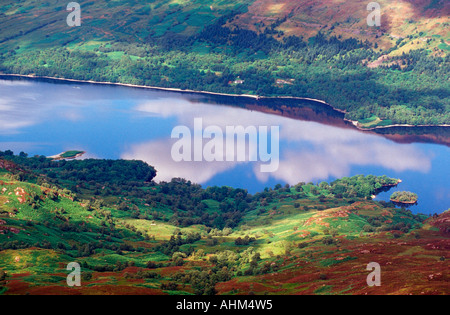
394,74
399,19
30,24
305,239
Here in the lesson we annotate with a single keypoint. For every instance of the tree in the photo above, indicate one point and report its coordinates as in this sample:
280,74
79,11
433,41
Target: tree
404,197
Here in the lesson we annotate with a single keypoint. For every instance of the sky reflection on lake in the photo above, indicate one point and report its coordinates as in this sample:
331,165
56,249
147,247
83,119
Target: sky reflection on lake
118,122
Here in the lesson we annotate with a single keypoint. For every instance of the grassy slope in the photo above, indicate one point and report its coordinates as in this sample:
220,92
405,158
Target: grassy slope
37,25
289,235
420,18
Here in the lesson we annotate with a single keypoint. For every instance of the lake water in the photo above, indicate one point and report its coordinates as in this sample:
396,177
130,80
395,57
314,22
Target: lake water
112,122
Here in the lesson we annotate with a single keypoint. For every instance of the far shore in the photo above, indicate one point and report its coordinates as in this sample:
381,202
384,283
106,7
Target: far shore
257,97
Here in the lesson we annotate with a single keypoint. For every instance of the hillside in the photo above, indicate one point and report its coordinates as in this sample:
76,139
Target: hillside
393,74
136,237
27,23
421,19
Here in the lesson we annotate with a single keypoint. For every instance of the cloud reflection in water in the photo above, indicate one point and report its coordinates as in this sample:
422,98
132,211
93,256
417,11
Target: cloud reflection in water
309,151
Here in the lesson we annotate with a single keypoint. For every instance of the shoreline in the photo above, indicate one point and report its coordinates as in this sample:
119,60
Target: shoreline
405,202
356,124
390,186
60,157
256,97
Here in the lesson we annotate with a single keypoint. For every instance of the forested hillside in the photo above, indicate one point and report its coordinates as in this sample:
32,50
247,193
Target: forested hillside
134,236
396,73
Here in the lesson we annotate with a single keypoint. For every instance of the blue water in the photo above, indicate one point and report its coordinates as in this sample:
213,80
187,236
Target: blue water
43,118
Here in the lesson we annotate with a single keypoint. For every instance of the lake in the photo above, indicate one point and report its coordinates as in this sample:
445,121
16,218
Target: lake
47,117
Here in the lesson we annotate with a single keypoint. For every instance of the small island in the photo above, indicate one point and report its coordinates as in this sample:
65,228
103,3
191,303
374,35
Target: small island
404,197
67,155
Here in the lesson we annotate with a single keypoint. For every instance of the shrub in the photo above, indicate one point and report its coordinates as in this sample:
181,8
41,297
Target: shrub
328,240
170,286
323,277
